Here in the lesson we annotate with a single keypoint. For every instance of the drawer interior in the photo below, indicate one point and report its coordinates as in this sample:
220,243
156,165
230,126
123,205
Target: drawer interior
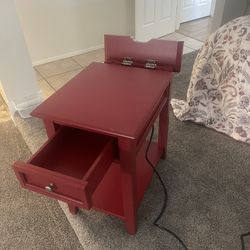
71,152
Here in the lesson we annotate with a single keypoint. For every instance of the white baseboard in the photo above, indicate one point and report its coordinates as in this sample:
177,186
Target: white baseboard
30,102
70,54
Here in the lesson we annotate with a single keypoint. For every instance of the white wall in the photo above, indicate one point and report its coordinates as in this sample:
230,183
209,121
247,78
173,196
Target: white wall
218,14
233,9
17,76
60,28
227,10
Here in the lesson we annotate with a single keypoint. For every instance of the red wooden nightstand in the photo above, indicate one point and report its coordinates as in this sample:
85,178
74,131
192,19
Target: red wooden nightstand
97,126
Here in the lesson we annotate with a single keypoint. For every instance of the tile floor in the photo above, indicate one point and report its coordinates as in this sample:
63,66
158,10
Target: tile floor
198,29
52,76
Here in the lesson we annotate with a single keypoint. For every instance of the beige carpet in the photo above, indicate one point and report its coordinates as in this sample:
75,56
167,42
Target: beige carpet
27,220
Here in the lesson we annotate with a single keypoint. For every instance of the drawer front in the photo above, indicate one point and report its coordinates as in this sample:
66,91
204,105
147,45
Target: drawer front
52,184
68,167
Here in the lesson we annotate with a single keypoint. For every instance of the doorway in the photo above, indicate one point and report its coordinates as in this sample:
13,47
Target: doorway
194,9
198,29
158,18
196,18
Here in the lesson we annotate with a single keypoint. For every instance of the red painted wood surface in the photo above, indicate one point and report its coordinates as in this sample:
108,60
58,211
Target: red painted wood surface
127,151
110,99
167,54
73,160
112,184
88,169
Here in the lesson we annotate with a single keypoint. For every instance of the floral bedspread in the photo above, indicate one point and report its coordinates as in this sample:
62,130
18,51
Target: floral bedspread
219,90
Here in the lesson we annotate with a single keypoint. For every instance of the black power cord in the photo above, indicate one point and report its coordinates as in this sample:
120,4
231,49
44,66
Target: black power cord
242,240
165,195
242,236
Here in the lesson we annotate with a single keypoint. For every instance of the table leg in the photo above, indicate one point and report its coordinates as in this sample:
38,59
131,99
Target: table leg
73,209
127,152
163,129
50,128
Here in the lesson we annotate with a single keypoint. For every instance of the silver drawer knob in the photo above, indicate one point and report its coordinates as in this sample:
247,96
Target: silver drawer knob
50,187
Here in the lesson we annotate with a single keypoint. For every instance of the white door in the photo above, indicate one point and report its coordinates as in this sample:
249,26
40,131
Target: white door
154,18
194,9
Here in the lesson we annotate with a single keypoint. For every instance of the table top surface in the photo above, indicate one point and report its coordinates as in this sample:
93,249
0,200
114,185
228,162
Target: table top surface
109,99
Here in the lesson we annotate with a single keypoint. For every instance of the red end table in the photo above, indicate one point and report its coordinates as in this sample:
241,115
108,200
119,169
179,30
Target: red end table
97,126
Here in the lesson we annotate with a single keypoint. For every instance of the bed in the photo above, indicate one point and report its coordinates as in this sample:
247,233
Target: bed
218,95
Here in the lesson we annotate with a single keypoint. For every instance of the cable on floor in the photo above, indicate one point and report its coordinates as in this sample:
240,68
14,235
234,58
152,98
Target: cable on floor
242,240
165,195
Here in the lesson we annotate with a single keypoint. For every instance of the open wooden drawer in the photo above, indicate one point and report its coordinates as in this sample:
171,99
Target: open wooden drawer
68,167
